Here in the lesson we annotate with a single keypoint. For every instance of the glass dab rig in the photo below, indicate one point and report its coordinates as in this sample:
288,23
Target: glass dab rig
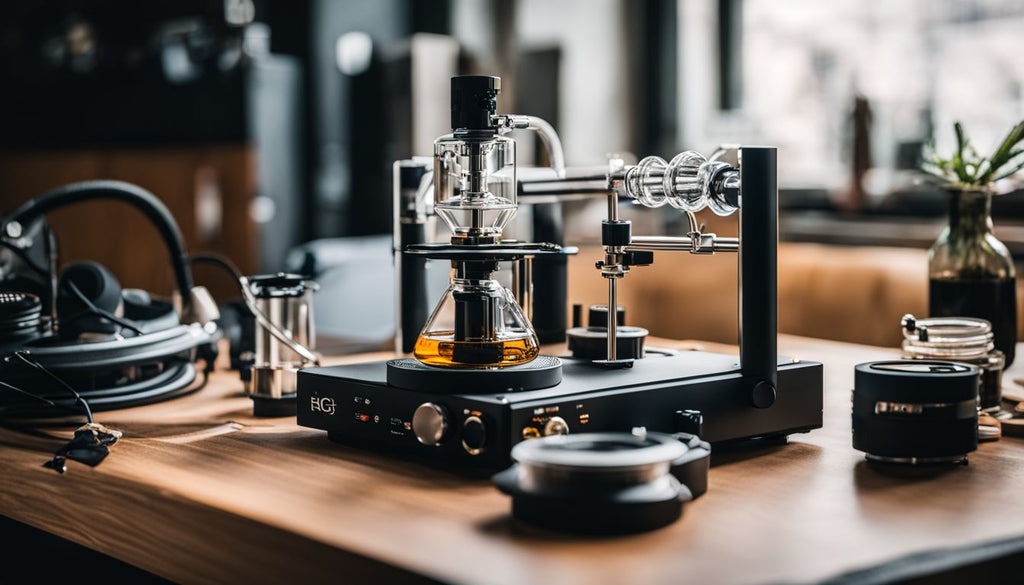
477,323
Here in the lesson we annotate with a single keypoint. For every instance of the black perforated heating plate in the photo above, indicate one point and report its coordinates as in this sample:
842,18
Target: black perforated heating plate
409,374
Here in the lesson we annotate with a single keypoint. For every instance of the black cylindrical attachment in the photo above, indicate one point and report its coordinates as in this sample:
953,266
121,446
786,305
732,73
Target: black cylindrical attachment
616,233
475,315
577,315
474,101
591,343
597,315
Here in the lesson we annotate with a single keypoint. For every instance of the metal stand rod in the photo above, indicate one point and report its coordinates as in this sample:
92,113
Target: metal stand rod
613,320
522,285
679,244
613,256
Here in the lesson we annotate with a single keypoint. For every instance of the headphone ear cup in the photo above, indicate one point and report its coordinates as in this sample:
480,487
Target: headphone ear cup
148,313
89,281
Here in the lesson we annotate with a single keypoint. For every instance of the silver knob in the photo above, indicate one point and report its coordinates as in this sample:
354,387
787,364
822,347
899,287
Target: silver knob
556,425
429,424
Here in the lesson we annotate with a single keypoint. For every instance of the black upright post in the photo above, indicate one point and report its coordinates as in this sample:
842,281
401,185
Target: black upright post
413,296
759,243
411,271
550,288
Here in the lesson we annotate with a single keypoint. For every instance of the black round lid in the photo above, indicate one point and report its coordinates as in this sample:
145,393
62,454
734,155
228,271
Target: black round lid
282,284
474,101
916,381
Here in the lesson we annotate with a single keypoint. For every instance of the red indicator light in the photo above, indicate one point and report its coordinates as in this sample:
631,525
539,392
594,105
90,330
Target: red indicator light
362,417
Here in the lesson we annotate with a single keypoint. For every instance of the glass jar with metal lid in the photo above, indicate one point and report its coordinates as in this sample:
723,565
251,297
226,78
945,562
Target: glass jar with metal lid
960,339
285,340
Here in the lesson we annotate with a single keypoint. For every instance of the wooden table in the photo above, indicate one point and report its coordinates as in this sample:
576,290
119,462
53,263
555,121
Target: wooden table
199,491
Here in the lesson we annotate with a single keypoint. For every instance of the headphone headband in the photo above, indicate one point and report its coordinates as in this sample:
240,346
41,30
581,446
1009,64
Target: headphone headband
146,202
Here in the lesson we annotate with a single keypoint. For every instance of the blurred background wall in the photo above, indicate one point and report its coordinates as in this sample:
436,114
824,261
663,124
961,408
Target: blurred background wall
267,124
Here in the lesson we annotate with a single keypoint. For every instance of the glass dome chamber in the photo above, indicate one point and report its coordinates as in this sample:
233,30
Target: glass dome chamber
475,183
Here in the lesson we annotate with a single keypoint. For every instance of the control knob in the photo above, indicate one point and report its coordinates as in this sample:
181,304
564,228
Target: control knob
430,423
556,425
474,435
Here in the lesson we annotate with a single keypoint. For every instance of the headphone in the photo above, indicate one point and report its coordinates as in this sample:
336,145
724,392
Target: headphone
75,340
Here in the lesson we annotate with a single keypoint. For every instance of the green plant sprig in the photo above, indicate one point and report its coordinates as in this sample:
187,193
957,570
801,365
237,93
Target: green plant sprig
966,168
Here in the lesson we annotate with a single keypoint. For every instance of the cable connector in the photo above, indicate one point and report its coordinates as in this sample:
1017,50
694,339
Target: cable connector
90,446
200,308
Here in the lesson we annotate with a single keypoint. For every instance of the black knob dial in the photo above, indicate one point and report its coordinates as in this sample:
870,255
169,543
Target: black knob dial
474,435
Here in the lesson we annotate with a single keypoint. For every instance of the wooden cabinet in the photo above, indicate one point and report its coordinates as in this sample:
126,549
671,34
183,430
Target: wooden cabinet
207,188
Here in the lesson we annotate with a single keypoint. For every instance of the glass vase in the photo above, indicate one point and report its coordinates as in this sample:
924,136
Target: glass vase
971,273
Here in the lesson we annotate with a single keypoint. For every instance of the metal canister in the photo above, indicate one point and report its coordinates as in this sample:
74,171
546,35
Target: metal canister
282,302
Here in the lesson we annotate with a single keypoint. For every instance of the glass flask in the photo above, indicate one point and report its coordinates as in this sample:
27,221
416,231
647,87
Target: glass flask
962,340
474,182
971,273
477,324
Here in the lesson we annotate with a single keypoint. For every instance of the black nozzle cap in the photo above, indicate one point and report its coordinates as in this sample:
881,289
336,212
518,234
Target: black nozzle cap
410,173
474,101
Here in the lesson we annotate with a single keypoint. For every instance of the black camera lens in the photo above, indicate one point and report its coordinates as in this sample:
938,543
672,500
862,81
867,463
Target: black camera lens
915,411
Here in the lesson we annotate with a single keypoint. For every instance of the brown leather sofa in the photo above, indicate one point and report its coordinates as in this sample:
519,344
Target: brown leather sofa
855,294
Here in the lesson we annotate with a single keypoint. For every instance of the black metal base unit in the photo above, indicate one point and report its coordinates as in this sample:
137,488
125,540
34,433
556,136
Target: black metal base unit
354,404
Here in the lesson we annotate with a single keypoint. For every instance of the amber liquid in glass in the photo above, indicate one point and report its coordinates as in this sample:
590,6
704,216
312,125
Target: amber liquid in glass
439,349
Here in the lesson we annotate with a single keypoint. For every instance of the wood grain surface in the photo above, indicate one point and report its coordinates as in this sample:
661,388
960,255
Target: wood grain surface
198,491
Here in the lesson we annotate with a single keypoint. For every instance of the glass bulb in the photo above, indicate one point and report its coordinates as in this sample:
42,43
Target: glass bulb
477,324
